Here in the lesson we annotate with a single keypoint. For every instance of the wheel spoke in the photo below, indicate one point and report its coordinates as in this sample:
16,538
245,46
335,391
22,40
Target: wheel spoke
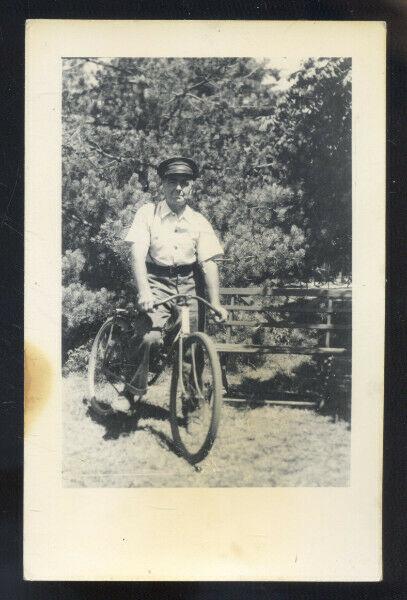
195,401
108,367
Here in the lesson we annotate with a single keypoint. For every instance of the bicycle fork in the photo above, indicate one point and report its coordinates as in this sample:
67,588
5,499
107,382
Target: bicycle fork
185,330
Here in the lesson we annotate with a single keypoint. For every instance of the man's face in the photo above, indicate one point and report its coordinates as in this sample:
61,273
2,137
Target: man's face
177,190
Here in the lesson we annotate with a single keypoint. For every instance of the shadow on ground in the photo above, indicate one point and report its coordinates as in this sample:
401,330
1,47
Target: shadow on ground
306,382
269,446
301,380
119,425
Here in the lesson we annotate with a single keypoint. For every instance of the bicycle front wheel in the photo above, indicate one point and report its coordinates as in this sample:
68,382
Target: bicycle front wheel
196,397
108,368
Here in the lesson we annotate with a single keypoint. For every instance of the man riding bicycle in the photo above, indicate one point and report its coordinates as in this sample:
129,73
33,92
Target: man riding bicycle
170,243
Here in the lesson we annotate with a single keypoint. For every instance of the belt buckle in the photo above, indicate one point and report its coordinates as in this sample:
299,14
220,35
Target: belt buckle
172,270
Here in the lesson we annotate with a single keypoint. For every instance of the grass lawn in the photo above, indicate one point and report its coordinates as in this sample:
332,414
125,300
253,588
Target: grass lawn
263,446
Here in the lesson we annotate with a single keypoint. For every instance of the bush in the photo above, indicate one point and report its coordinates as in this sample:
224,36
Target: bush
77,359
72,264
83,311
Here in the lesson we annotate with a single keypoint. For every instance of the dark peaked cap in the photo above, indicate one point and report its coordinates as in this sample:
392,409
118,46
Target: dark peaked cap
179,165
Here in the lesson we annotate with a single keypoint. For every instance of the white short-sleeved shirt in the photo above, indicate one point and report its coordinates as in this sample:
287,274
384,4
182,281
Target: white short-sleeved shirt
169,239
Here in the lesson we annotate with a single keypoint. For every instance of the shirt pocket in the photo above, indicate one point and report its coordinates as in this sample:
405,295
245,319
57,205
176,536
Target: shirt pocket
158,237
186,241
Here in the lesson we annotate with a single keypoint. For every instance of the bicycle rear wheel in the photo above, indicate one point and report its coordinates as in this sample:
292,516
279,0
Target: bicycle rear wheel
195,402
108,367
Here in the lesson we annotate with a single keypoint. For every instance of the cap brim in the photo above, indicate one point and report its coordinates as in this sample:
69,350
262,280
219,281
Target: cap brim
178,166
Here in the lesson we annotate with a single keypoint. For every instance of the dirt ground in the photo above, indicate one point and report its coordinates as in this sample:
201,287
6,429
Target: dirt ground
255,447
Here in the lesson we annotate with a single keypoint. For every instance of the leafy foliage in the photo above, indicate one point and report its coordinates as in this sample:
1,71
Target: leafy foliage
276,168
82,311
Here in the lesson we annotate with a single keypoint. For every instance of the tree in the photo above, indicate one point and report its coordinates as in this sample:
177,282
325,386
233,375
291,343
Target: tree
276,170
312,127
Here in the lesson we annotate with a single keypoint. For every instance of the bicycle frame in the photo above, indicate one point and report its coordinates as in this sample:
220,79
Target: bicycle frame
185,331
121,315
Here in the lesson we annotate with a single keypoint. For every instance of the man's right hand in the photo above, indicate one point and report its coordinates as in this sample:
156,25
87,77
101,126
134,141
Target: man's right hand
146,301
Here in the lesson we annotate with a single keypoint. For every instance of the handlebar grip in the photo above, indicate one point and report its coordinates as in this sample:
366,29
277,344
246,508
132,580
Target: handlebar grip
187,297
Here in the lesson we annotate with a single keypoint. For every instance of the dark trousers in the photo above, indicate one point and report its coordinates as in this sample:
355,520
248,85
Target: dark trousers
152,337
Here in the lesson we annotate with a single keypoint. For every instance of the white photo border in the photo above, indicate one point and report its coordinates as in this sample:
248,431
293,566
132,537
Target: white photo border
295,534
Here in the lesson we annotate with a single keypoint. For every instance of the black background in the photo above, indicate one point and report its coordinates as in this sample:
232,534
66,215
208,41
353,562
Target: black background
12,19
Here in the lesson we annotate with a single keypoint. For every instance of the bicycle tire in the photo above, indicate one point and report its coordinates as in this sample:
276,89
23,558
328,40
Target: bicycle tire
211,401
98,386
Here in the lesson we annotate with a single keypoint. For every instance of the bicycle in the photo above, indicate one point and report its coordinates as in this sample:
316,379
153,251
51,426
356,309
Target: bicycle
196,381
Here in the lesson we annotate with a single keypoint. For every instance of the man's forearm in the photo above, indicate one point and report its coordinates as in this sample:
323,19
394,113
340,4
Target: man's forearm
211,275
145,298
138,264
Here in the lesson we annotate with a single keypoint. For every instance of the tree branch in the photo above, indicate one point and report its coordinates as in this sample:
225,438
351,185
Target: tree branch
75,66
185,92
114,67
96,146
251,72
72,215
193,105
263,166
199,98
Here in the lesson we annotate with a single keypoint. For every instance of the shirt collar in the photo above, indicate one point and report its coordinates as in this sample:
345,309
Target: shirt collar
165,211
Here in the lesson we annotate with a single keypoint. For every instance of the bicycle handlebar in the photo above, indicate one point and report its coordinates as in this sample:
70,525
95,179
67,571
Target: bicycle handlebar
188,297
174,296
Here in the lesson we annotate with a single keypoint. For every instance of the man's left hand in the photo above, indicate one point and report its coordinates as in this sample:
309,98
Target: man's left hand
223,314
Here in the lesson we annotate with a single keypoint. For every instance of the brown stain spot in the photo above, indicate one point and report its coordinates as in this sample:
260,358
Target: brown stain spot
37,383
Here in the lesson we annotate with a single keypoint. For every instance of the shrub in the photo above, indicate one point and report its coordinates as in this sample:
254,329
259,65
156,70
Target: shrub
83,310
77,359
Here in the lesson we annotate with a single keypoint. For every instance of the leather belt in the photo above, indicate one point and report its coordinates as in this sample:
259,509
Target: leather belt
172,271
